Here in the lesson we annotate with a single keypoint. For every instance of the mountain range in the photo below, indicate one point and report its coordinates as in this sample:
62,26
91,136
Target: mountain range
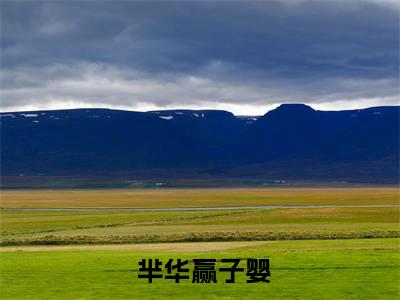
293,141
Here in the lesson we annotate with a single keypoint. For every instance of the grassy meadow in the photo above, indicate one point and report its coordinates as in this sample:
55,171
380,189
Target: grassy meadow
316,253
30,227
198,197
323,269
94,227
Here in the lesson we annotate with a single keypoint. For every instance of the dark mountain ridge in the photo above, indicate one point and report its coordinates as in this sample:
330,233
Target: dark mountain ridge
291,141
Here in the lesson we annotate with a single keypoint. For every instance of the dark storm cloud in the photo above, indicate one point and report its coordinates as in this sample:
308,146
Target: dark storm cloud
199,53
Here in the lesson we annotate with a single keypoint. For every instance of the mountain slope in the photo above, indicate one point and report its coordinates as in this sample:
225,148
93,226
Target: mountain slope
292,141
296,131
94,140
212,130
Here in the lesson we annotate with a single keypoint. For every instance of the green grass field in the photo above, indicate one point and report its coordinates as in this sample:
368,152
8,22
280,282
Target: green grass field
60,227
316,253
77,227
334,269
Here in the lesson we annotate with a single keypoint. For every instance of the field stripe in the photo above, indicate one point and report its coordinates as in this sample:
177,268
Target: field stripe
259,207
184,247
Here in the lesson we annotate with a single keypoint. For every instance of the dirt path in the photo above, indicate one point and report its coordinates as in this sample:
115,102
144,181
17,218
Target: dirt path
195,208
178,247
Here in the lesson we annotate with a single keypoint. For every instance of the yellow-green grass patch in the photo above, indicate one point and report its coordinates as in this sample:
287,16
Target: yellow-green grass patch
199,197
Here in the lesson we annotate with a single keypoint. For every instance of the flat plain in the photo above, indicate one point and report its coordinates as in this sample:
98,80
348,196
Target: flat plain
323,269
23,225
316,252
198,197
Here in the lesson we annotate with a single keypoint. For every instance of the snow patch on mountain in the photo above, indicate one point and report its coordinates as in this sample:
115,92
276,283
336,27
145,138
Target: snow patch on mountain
29,115
166,117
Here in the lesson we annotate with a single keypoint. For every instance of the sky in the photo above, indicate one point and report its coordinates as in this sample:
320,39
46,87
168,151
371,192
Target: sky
243,56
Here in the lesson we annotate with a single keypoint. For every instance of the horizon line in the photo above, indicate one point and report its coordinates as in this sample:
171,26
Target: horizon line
188,109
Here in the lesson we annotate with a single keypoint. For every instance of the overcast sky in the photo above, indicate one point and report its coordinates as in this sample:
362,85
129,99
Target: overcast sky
242,56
